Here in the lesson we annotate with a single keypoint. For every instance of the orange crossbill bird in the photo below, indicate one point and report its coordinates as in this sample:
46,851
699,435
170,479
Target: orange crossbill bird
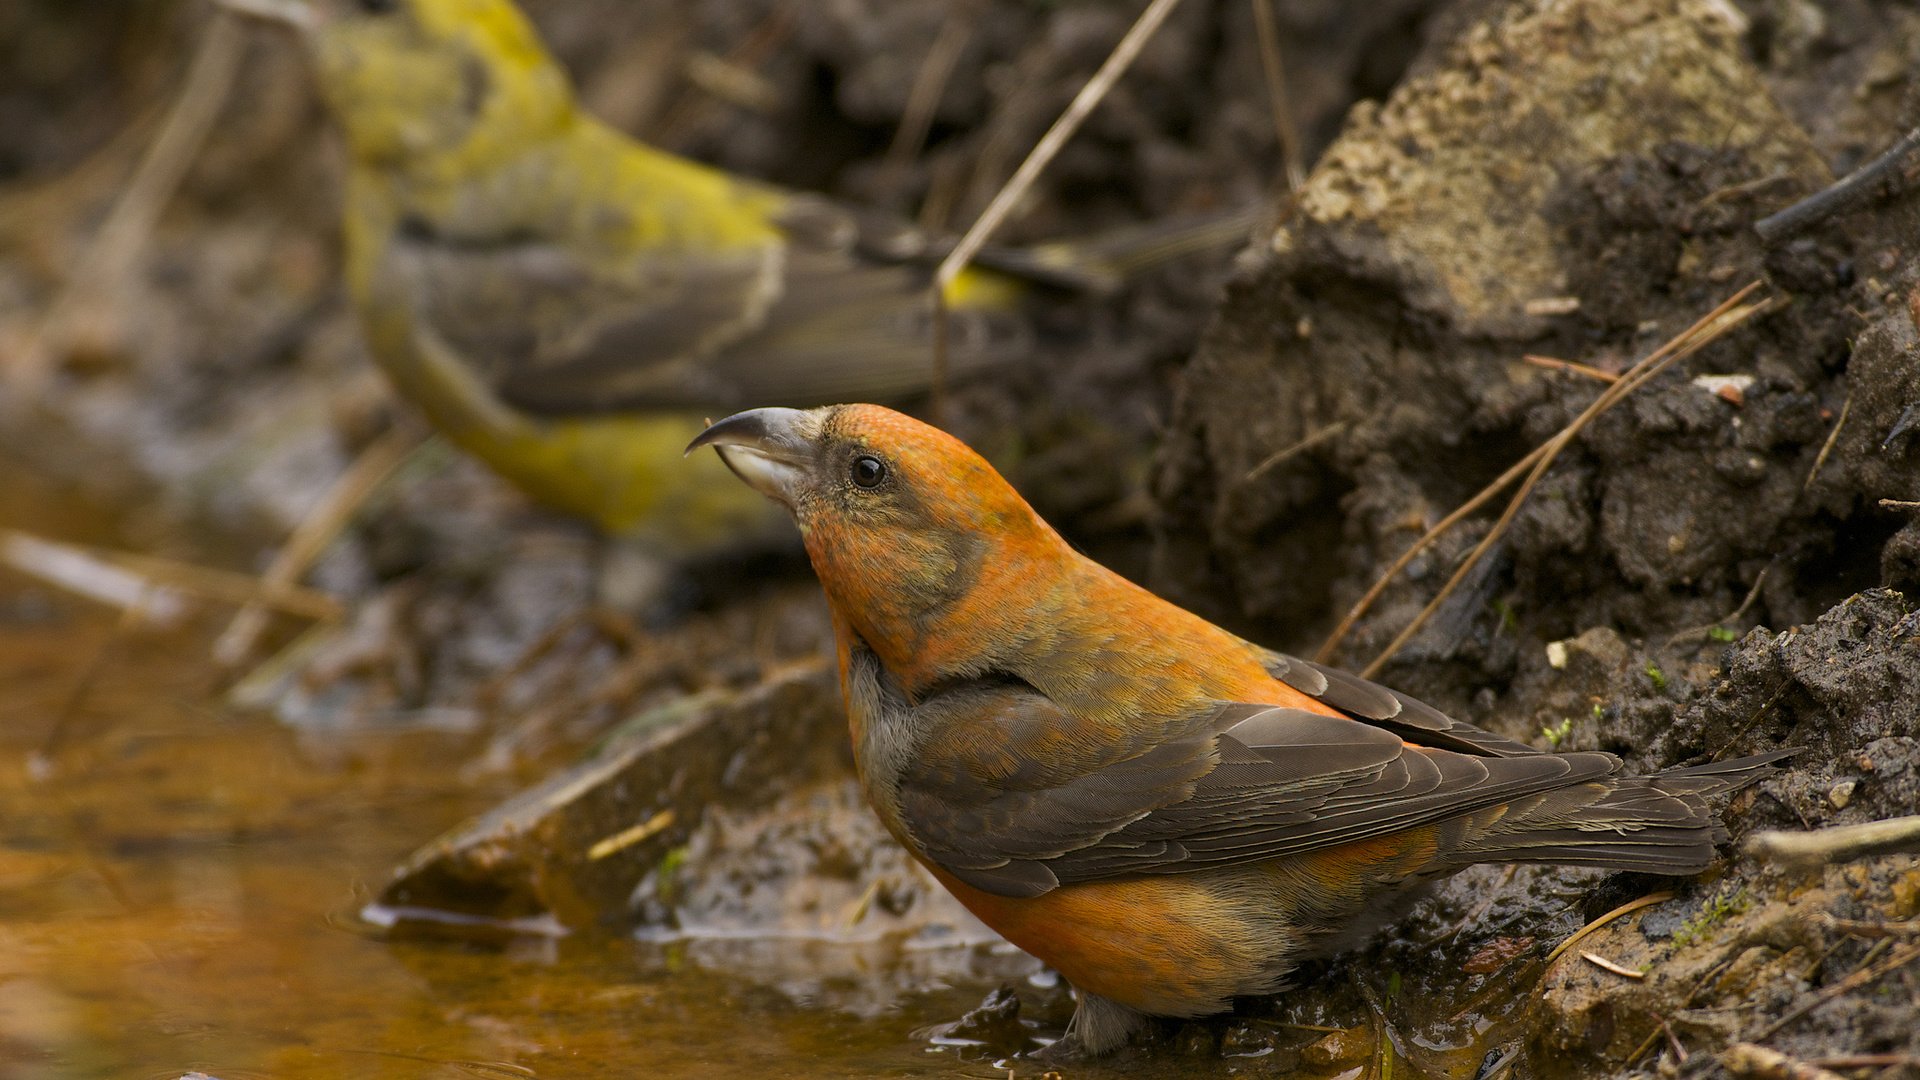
567,304
1166,814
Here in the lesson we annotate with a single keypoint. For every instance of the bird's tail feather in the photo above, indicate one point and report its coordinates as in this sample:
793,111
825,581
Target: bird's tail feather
1657,824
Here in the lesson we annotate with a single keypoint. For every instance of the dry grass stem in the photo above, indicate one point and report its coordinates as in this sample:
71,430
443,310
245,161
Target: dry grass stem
1050,144
1852,982
1554,363
1275,70
1023,178
1733,616
311,538
85,573
104,263
1605,964
1820,460
628,837
1581,934
1709,328
1287,453
1841,843
1519,468
122,577
1867,929
923,99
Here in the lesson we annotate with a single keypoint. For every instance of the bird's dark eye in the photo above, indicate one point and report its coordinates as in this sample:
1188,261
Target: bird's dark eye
868,471
379,7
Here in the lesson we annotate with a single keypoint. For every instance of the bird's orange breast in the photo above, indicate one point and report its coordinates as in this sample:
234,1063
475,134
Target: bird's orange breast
1165,945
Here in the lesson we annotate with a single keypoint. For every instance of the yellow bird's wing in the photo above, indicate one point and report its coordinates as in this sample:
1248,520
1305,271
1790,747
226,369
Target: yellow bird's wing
828,308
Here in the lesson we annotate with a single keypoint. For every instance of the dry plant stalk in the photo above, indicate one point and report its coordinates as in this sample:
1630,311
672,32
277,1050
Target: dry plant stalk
1274,69
1554,363
1707,328
312,536
123,578
1023,178
1841,843
107,258
923,99
1637,376
1627,908
1854,981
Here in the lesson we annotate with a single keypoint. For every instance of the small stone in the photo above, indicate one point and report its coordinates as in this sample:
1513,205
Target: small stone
1338,1048
1557,655
1841,793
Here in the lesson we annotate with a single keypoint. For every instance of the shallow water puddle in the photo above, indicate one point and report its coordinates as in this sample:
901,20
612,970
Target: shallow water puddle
181,883
178,888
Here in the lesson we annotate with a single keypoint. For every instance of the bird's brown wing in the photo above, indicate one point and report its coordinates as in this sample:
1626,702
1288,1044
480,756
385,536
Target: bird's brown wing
1002,795
1409,718
560,329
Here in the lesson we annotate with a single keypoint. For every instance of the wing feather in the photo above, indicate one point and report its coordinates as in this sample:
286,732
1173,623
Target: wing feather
1239,783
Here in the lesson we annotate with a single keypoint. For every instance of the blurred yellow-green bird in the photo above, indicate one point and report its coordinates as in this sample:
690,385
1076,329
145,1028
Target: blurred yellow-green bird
568,304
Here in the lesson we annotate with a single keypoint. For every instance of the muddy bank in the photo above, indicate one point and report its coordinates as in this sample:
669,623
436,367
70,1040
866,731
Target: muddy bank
1579,182
1697,575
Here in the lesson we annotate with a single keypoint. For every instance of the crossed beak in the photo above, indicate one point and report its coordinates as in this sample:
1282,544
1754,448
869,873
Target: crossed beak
771,449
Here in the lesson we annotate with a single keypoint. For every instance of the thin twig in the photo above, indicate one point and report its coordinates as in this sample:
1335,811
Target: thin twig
1627,908
1287,453
1554,363
1023,178
1841,843
1679,1052
1851,190
1732,616
1866,928
1051,143
1637,376
42,760
681,117
1605,964
154,575
313,535
1854,981
1271,65
923,99
110,254
1765,1063
1518,469
1826,448
1898,504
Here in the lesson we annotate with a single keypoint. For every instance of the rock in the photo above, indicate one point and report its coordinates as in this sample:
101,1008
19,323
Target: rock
994,1025
571,850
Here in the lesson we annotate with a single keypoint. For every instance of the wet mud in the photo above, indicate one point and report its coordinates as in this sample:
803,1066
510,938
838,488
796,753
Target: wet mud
651,854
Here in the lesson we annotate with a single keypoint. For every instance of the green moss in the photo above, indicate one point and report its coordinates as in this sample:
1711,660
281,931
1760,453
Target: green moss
1558,732
1658,677
1722,634
1509,618
1718,909
667,874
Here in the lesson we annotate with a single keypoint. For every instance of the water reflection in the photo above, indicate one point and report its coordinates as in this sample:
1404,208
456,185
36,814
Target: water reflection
180,889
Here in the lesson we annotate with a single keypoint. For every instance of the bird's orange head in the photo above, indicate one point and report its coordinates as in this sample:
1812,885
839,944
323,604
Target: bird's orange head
909,530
